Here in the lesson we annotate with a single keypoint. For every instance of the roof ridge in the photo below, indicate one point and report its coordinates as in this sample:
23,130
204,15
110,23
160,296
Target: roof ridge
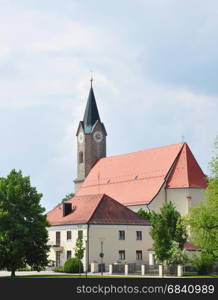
100,200
149,149
187,164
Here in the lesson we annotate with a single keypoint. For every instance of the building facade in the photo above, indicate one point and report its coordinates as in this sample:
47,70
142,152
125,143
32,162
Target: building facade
109,192
105,226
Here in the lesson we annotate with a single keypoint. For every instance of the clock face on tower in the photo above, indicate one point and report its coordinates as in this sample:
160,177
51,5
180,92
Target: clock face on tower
80,137
98,136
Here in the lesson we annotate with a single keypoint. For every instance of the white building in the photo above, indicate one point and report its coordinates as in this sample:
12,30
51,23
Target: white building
106,227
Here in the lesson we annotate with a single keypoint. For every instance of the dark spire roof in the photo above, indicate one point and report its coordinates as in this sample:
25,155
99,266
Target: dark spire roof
91,115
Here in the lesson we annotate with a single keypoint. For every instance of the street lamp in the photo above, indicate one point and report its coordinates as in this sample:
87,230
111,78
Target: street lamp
86,241
101,255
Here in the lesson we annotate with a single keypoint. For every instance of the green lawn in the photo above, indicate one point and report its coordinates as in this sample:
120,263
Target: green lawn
63,276
83,276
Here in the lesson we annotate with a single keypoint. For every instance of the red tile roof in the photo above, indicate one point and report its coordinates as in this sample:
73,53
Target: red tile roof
190,247
95,209
187,172
136,178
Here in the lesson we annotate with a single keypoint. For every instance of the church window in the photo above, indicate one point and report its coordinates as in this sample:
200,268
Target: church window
121,235
80,157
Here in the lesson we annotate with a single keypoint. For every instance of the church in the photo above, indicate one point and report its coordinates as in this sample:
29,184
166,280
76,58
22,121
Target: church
110,190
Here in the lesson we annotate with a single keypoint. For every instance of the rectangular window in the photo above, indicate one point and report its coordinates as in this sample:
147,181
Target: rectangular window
121,235
69,235
58,258
138,254
69,254
122,255
58,238
138,235
80,234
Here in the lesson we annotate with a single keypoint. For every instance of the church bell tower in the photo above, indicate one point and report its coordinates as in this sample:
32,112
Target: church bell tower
91,140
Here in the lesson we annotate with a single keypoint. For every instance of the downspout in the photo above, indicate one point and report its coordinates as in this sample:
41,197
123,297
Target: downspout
148,208
87,255
165,189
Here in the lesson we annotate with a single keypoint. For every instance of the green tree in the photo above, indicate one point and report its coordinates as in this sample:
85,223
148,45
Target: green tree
79,250
203,218
178,256
203,263
73,265
23,233
146,214
67,197
166,228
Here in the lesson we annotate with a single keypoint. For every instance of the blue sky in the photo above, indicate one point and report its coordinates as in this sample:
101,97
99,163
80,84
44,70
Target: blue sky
155,68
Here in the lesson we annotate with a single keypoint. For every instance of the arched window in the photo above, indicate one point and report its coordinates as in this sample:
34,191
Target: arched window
80,157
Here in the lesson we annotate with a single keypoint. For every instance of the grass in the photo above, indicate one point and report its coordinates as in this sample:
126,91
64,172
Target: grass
90,276
62,276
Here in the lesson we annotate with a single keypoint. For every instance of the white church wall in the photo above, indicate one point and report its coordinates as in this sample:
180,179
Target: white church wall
158,201
178,198
136,208
197,196
181,200
155,204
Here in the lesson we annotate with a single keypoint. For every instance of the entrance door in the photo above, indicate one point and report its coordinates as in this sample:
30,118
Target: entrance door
58,258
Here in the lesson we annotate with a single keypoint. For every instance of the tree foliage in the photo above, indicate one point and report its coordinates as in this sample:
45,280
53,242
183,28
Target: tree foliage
146,214
67,197
203,219
177,255
203,263
79,249
167,227
23,233
73,265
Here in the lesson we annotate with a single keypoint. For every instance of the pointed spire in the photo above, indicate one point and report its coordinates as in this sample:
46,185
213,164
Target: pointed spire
91,115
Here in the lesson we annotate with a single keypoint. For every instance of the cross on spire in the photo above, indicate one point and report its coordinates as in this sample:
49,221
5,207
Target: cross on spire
91,79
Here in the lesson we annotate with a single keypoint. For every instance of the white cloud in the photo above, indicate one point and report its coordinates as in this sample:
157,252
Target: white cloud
45,59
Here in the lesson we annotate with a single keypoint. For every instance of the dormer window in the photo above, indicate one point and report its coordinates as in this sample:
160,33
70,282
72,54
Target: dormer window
67,208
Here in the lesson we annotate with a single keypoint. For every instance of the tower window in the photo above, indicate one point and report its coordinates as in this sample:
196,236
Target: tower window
80,157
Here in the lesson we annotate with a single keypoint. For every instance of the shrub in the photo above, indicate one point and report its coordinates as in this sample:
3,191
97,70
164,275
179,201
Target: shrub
204,264
59,269
73,265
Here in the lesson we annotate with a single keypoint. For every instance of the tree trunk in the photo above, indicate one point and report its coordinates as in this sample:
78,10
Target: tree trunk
13,273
